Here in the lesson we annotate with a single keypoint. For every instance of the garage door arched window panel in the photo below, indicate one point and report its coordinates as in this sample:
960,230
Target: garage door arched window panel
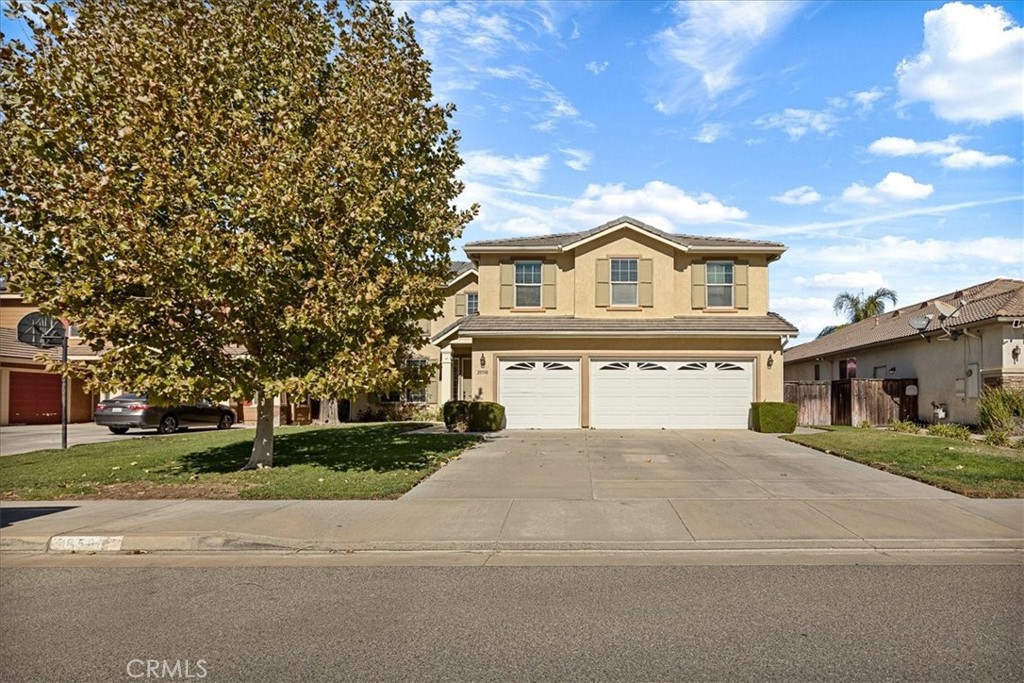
615,366
521,366
728,367
650,366
553,365
697,367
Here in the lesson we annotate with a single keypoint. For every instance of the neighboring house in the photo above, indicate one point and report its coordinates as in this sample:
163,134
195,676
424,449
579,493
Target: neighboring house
461,298
29,394
621,326
970,339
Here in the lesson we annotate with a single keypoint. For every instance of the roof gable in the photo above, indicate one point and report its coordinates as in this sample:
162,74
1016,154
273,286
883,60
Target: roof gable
568,241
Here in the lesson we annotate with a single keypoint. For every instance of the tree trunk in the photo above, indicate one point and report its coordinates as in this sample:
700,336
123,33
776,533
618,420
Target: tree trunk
329,412
263,444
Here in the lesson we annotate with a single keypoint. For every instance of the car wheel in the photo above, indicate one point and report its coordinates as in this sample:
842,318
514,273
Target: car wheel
168,425
225,422
118,430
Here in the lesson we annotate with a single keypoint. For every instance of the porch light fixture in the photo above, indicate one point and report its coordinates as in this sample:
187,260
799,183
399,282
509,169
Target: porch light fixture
483,360
771,361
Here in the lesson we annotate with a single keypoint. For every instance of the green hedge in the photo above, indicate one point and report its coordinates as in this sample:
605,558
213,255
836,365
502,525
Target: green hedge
485,416
774,418
456,415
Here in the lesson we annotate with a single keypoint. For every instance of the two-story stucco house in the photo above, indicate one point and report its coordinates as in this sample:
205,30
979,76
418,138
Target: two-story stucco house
622,326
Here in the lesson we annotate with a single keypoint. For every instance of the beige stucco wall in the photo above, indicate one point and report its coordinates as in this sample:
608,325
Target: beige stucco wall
767,381
575,285
936,365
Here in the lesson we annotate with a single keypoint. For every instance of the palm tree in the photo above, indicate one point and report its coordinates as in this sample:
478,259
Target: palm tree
858,307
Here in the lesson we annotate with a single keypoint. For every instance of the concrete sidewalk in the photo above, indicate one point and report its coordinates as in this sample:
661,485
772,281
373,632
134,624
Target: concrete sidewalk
512,524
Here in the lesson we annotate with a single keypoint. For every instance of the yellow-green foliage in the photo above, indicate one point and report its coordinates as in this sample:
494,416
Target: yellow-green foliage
1001,409
950,430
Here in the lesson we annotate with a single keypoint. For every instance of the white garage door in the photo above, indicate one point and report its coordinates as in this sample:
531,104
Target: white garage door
540,394
672,394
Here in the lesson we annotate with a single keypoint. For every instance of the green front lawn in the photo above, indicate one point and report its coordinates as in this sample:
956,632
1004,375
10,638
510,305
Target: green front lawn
971,469
351,462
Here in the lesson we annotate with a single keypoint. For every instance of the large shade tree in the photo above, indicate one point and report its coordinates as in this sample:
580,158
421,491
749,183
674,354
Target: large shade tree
857,307
233,197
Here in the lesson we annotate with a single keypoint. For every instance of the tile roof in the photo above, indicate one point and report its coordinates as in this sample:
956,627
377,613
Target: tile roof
1000,298
772,323
564,239
460,267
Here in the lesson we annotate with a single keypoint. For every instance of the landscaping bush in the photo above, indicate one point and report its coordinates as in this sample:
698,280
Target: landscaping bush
774,418
485,416
1001,409
997,439
905,426
396,412
950,430
456,415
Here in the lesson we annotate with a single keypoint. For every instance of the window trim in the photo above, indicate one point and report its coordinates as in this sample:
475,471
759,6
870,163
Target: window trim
708,285
474,308
409,393
516,285
612,282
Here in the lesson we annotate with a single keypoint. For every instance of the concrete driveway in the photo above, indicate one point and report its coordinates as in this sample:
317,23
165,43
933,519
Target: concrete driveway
690,465
26,438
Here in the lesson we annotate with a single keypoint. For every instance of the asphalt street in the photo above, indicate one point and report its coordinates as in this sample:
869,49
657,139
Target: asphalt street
794,623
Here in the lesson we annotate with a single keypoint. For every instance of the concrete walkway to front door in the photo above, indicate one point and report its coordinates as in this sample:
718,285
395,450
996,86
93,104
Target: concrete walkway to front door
710,486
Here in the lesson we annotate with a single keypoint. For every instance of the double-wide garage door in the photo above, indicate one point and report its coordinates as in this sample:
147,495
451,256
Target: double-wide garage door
628,394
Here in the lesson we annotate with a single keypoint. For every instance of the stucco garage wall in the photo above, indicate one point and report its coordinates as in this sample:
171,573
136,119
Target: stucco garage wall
767,382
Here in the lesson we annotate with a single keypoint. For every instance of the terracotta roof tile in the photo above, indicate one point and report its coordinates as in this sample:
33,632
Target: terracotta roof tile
563,239
986,301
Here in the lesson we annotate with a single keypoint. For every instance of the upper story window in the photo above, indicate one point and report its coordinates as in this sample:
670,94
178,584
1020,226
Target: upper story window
472,303
528,284
624,281
720,284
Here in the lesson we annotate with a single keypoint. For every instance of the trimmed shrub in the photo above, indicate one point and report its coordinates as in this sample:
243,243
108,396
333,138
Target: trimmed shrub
456,415
905,426
950,430
998,439
1001,409
396,412
485,416
774,418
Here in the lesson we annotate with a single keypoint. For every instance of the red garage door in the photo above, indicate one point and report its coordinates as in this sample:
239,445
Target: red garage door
35,398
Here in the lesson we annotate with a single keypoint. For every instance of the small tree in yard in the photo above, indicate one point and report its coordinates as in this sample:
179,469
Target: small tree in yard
233,197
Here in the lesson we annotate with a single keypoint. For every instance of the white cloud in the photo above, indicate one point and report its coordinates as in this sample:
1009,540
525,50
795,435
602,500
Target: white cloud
799,196
799,122
866,98
971,158
578,160
868,280
709,132
900,147
713,40
516,172
596,68
658,203
892,251
970,66
896,186
953,154
558,107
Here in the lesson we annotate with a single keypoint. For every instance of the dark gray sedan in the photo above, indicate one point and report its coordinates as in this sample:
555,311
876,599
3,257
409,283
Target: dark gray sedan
133,411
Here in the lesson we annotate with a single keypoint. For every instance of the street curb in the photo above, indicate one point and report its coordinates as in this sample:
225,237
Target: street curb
228,542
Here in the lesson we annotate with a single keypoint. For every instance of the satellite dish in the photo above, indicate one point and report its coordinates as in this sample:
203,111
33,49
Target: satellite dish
40,331
920,322
945,310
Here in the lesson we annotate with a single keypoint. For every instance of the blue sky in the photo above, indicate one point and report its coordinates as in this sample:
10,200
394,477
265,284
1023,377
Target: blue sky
881,141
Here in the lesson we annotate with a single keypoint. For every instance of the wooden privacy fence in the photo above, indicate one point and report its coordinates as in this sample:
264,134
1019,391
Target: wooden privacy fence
852,401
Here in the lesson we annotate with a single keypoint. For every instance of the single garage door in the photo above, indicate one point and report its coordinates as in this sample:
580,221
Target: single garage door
540,394
34,398
626,394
